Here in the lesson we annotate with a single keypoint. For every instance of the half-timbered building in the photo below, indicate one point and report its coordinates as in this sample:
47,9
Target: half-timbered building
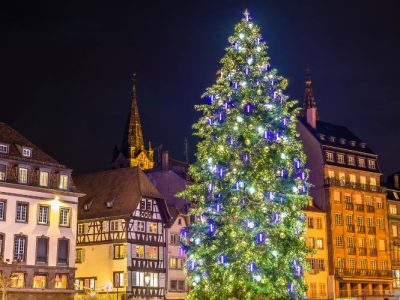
121,242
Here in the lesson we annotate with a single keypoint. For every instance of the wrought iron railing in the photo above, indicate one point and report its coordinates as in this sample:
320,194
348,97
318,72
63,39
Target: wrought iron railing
354,185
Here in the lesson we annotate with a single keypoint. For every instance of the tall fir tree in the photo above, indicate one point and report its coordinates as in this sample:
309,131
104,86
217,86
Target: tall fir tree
250,184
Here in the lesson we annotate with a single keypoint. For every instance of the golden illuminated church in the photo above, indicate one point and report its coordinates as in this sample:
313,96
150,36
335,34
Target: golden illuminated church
133,152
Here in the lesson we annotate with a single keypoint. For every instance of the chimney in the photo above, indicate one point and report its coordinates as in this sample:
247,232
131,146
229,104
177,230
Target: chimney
396,182
165,161
309,105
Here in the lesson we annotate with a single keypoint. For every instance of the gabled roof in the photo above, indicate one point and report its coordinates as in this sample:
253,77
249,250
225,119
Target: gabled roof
115,192
343,137
16,141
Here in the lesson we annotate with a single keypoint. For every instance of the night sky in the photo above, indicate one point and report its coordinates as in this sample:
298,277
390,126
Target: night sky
66,68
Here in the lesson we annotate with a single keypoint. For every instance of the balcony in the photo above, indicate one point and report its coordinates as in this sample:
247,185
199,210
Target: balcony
373,252
363,273
371,230
354,185
396,263
351,250
370,208
349,206
362,251
360,207
350,228
361,229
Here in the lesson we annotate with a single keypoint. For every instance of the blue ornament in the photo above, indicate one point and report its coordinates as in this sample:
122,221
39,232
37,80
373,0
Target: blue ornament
297,268
248,108
276,218
249,224
184,233
260,237
191,265
220,170
251,266
221,259
270,195
245,157
211,226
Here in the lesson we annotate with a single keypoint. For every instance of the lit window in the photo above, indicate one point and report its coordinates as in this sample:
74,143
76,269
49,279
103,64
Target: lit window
153,253
118,279
26,152
64,216
393,209
63,182
119,251
114,225
380,224
18,280
331,174
338,219
60,281
363,264
139,251
62,251
3,172
369,201
42,247
329,156
19,248
352,263
350,241
140,226
372,264
360,221
340,158
396,195
394,230
383,265
319,223
43,215
310,222
382,246
336,196
361,162
371,164
22,175
339,241
81,229
22,212
2,210
379,202
44,178
152,227
342,178
3,148
320,243
372,181
352,160
153,279
311,243
340,263
85,283
352,179
363,181
39,281
80,255
172,263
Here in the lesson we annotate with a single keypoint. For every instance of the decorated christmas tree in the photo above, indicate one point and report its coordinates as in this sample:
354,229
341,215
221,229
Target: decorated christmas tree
249,182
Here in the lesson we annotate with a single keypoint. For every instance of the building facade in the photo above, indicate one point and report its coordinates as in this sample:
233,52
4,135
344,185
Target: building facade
319,287
346,185
38,213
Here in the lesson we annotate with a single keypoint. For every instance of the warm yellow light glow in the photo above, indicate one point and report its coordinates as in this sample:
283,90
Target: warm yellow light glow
55,203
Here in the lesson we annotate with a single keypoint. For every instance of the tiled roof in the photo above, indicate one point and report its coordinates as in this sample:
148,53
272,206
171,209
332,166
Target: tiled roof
393,194
312,209
16,141
342,136
115,192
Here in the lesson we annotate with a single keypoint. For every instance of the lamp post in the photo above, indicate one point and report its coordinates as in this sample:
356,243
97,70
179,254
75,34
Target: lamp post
147,282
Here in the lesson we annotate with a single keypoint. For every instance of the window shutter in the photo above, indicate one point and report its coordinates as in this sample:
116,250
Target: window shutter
125,278
161,280
83,254
125,251
111,251
147,252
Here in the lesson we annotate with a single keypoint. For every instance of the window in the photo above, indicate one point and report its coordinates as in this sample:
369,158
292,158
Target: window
393,209
39,281
85,284
64,216
384,265
146,204
380,224
140,226
363,181
370,221
352,263
350,241
63,182
22,175
139,251
352,160
173,285
62,251
372,243
322,289
382,245
3,148
340,158
44,178
339,241
175,263
340,263
118,279
363,264
329,156
320,243
42,248
2,210
311,243
320,264
310,222
43,214
3,172
152,227
347,198
319,223
119,251
371,164
153,279
396,195
394,230
152,254
20,248
80,255
372,264
379,202
81,229
372,181
342,178
360,221
174,239
22,212
313,290
349,220
18,280
331,174
336,196
338,219
361,242
2,238
60,281
26,152
361,162
114,225
352,179
180,220
143,204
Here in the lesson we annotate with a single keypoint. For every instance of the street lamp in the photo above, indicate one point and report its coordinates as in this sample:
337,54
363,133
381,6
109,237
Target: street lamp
147,282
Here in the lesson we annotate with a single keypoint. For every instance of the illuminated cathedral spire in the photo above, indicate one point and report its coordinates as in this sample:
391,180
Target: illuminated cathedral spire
135,134
309,105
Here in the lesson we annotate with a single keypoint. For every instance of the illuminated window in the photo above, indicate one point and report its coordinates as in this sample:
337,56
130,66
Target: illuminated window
339,241
139,251
310,222
372,264
338,219
340,158
44,178
380,224
42,248
114,225
62,251
394,230
352,263
172,263
363,181
331,174
350,241
152,227
22,212
393,209
43,215
65,216
352,179
3,172
2,210
140,226
80,255
39,281
352,160
372,181
336,196
360,221
368,201
361,162
396,195
22,175
329,156
82,284
382,245
119,251
340,263
153,279
63,182
60,281
371,164
18,280
118,279
320,243
384,265
363,264
152,253
311,243
319,223
361,242
349,220
342,178
174,239
26,152
19,248
3,148
81,229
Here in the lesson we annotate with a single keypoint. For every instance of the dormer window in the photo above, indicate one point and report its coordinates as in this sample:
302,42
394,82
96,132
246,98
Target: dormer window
26,152
371,164
353,143
63,182
322,137
329,156
4,148
332,139
363,145
22,175
340,158
342,141
352,160
3,172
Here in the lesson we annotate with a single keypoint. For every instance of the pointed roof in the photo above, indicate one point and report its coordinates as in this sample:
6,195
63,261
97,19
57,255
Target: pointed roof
135,134
309,100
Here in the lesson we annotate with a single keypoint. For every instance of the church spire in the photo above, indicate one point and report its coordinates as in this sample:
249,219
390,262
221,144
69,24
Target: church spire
135,134
309,104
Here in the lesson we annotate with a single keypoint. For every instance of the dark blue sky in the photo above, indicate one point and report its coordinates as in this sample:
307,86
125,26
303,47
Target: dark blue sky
66,68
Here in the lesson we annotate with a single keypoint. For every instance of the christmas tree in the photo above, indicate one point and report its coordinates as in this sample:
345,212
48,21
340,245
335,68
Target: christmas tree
249,182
